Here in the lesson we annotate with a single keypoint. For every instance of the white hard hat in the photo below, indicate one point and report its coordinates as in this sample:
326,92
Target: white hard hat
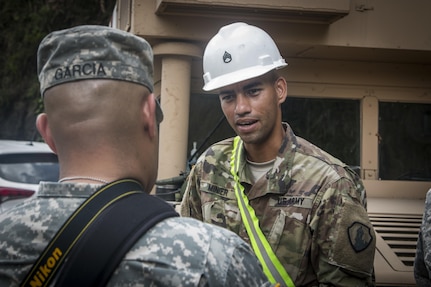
239,52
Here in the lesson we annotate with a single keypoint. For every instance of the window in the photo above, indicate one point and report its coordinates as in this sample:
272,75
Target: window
29,168
405,141
207,123
331,124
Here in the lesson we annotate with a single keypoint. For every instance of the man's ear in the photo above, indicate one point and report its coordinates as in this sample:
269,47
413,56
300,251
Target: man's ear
149,115
281,89
43,128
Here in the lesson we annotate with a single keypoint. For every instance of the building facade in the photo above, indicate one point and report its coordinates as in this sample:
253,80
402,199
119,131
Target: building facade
359,68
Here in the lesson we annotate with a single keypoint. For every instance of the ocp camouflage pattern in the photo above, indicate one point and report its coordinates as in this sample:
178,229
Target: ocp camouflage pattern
422,265
311,208
175,252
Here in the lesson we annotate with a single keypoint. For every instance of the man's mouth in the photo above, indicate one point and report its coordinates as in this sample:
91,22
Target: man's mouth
246,125
245,122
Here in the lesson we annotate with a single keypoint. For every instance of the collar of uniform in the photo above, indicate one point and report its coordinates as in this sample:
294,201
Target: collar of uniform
244,173
278,178
55,189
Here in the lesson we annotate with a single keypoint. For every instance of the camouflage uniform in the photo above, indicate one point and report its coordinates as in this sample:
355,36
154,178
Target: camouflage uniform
176,252
422,266
311,208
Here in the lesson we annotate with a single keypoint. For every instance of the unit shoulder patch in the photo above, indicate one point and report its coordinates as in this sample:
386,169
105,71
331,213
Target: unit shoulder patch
360,236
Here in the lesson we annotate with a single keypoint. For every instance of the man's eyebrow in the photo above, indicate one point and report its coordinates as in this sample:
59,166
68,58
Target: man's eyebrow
252,85
224,92
246,87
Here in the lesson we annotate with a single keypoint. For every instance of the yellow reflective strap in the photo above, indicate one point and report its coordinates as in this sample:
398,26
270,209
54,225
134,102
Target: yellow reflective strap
272,267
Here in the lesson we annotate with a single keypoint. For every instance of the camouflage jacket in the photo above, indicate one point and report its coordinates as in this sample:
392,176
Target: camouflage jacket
176,252
311,208
422,265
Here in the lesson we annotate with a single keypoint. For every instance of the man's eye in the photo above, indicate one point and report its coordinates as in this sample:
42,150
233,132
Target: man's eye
226,97
253,92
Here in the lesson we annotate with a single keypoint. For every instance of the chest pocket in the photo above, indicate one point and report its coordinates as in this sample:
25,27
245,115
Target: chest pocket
283,216
277,230
219,207
285,222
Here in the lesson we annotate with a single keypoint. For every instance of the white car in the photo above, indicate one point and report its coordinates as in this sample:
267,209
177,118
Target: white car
23,164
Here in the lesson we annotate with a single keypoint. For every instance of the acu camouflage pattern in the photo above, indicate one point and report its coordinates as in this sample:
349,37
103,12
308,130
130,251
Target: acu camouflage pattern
311,208
94,52
176,252
422,265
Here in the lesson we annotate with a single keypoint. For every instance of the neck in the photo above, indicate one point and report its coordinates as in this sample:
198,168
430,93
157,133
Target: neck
265,151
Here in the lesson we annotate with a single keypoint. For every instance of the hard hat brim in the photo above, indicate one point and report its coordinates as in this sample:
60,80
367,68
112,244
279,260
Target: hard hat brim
240,75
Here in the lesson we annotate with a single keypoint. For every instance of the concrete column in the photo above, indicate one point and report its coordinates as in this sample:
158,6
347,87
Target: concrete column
175,79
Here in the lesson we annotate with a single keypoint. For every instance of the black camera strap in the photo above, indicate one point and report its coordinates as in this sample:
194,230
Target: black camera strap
93,241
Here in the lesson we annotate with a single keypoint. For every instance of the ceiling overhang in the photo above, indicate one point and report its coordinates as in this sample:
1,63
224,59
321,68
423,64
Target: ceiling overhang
302,11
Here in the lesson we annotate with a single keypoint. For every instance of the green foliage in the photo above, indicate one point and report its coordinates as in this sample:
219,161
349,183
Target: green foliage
23,24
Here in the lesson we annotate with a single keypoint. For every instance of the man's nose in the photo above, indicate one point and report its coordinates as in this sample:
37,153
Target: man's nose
242,104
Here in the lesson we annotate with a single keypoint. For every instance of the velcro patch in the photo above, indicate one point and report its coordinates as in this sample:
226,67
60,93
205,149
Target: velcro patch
354,245
211,188
296,201
360,236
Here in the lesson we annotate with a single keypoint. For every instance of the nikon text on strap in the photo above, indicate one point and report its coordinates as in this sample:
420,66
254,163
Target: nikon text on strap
97,236
272,267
